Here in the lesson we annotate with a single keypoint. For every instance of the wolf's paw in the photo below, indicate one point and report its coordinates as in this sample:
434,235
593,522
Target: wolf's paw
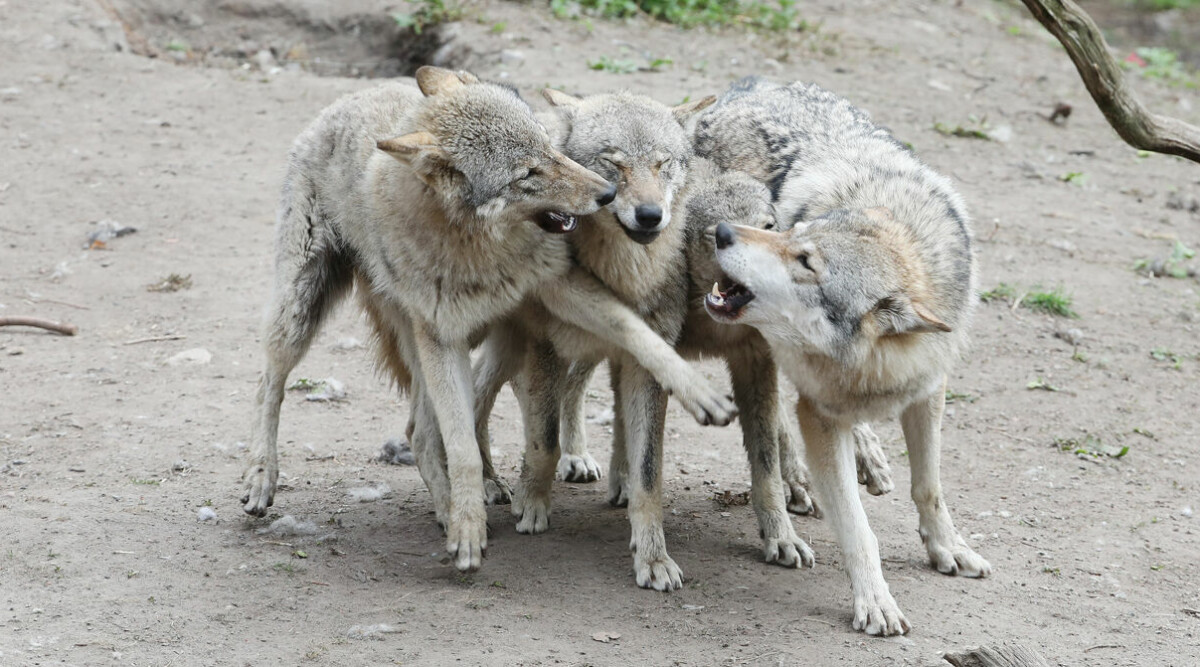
661,574
953,557
708,406
799,499
876,613
618,491
579,468
496,491
873,469
466,542
259,480
788,551
532,512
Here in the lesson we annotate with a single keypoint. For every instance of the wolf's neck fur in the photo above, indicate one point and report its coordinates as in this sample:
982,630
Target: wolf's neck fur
634,272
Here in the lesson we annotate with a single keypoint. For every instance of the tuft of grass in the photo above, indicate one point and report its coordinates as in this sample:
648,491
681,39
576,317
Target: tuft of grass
1041,384
960,131
1053,302
954,396
776,15
1076,177
613,65
626,66
427,13
1174,266
178,45
1163,354
498,27
145,482
1162,64
1090,446
172,283
1164,5
1002,291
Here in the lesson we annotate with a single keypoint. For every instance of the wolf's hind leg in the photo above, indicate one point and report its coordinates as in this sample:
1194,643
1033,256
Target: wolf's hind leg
948,552
310,279
756,391
797,488
873,470
539,388
618,465
501,357
576,464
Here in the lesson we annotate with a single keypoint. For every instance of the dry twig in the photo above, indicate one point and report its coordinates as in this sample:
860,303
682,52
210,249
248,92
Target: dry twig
57,327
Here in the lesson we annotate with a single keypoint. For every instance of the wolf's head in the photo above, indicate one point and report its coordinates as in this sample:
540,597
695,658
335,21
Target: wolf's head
716,196
480,148
846,286
635,142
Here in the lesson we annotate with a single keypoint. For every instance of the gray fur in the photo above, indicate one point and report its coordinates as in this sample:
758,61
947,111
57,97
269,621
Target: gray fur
865,301
427,200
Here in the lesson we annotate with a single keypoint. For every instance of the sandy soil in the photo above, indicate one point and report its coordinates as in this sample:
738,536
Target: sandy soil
109,449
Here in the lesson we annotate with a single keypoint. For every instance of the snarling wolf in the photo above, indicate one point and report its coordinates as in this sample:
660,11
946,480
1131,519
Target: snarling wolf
865,301
632,249
446,208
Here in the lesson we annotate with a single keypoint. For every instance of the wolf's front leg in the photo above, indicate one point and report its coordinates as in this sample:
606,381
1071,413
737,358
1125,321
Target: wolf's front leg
830,448
644,406
575,464
756,390
873,469
948,552
539,390
583,301
446,372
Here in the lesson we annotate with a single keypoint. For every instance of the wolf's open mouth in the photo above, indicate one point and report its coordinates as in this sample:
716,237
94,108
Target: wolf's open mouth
557,222
727,302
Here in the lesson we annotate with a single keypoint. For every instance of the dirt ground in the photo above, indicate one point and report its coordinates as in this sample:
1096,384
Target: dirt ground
113,441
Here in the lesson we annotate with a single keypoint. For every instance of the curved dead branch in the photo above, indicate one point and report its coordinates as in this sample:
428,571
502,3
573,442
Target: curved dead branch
58,327
1106,82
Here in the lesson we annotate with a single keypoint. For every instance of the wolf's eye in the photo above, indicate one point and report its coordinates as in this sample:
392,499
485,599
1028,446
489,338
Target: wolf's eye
529,173
665,162
803,259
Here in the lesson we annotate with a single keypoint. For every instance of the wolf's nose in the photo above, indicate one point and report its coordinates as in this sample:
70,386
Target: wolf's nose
724,236
648,215
607,196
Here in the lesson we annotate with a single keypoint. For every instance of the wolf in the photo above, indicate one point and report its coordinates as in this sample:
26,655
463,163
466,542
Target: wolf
865,301
779,477
634,249
445,205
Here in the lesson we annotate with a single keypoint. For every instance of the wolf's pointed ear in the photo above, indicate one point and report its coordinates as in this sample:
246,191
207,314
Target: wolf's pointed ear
421,152
406,146
558,98
438,81
684,111
898,314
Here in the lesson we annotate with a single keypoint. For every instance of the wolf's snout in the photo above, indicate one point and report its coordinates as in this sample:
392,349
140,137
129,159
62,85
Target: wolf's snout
724,236
605,198
648,216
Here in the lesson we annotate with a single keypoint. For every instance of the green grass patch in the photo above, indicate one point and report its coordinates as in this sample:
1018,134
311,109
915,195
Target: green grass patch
772,15
1053,302
426,13
1090,446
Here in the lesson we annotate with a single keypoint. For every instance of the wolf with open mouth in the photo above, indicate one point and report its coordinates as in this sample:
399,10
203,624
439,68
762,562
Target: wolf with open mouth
865,301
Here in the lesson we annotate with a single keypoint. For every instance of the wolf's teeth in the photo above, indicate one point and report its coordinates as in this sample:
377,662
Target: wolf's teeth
716,290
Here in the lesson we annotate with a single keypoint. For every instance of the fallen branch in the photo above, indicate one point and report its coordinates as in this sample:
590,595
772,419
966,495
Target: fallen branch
64,329
154,339
1007,655
1104,79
